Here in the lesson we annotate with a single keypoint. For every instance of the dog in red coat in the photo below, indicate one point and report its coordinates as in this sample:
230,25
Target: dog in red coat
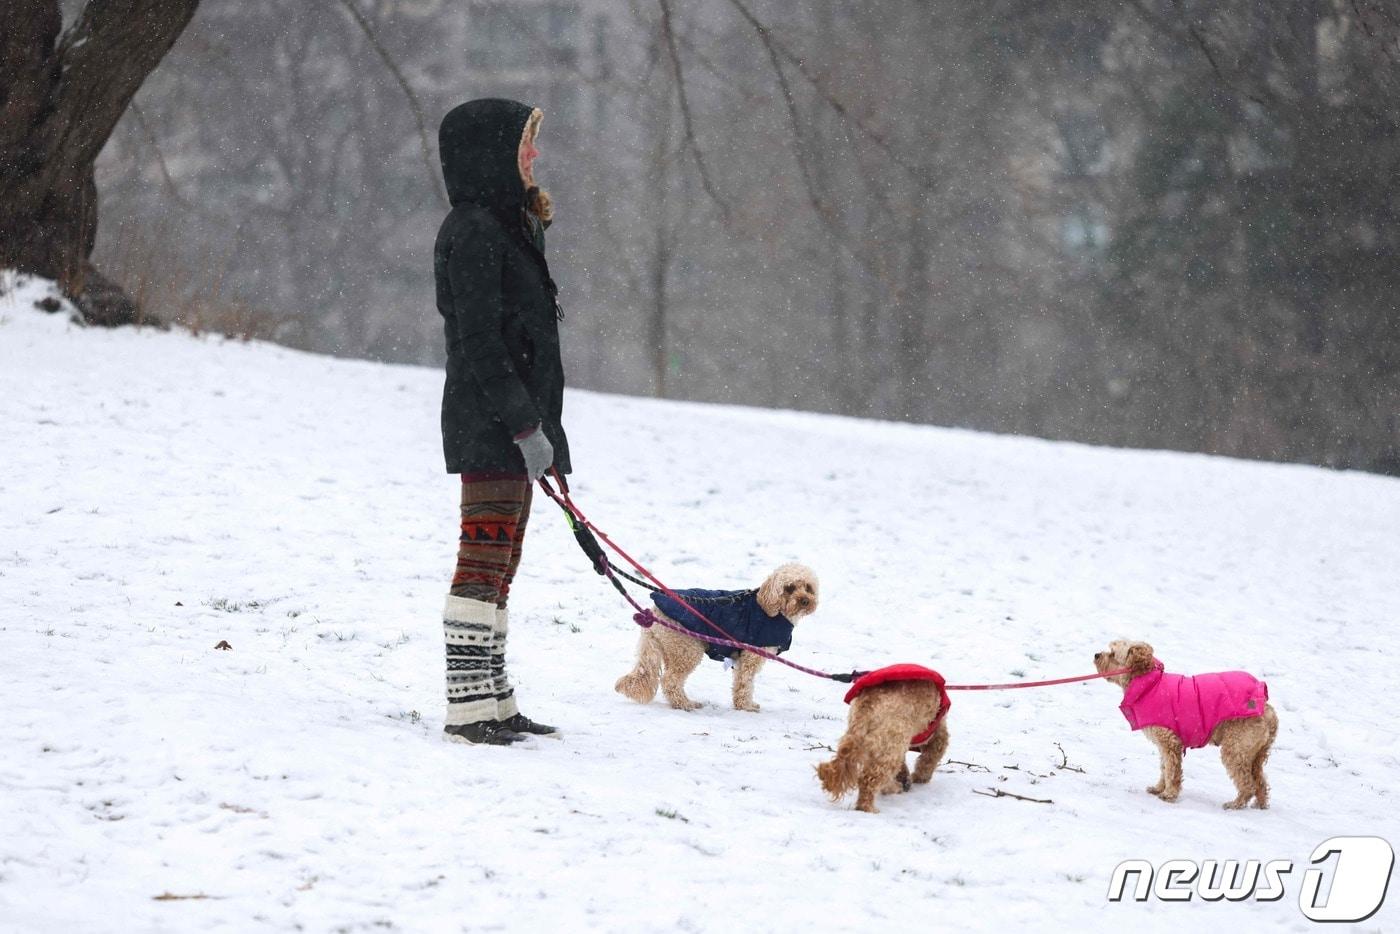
893,710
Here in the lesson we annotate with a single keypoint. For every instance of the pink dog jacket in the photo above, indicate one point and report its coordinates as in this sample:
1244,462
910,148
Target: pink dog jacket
1192,706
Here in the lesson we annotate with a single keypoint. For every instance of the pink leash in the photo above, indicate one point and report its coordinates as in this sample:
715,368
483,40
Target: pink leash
646,618
1033,684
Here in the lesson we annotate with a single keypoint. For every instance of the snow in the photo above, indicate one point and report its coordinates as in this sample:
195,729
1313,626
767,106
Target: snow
161,492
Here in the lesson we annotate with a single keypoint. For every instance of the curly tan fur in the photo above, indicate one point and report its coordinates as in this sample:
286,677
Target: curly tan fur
537,200
665,658
1244,743
870,757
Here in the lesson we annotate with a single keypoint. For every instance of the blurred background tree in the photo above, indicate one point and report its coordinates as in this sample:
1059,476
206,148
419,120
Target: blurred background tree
62,92
1164,222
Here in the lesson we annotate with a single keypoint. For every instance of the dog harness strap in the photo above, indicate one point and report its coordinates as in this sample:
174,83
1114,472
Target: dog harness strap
918,742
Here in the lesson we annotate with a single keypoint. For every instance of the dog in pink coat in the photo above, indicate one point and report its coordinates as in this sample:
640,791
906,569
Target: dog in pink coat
1228,709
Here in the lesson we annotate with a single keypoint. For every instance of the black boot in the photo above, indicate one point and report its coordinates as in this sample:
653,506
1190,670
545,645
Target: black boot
481,733
519,723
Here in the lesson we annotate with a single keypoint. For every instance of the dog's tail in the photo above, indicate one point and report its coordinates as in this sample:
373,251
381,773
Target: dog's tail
841,774
642,682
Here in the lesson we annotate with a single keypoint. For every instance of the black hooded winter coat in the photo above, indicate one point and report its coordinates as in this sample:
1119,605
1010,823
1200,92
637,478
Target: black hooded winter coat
497,300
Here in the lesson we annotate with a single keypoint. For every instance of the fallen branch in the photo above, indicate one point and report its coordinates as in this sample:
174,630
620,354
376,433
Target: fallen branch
171,897
971,765
998,793
1064,761
819,746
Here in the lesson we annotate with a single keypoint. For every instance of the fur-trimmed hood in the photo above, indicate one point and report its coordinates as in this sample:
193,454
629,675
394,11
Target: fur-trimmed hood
479,144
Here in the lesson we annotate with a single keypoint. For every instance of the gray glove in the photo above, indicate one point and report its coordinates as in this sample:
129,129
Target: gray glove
538,453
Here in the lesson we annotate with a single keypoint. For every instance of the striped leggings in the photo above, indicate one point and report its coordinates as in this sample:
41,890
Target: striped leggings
495,510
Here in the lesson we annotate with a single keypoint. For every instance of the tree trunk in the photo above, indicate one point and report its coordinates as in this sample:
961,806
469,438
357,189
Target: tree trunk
60,98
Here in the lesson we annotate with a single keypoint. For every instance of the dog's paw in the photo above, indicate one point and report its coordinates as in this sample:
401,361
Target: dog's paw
688,705
1168,796
904,783
1232,805
751,707
1154,790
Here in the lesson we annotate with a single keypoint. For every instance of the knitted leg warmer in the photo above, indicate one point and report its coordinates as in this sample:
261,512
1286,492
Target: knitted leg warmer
500,684
469,628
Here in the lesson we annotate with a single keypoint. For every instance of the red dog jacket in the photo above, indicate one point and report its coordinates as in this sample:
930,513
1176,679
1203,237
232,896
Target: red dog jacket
906,673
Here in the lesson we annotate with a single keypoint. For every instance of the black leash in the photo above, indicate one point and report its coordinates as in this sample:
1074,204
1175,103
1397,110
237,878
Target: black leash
645,617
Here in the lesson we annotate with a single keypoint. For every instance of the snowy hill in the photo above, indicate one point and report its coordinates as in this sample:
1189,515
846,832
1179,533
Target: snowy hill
160,493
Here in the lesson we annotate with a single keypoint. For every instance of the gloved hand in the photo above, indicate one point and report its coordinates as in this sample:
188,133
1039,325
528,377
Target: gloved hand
537,451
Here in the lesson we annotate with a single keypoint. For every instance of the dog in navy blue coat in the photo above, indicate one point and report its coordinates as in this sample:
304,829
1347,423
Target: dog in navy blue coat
762,617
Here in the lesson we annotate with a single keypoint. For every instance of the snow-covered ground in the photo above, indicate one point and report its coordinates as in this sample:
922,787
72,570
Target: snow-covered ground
160,493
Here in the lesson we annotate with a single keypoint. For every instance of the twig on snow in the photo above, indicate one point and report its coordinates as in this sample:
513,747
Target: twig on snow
998,793
1064,761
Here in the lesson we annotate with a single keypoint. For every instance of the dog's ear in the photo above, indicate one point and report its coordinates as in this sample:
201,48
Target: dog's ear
1139,656
770,593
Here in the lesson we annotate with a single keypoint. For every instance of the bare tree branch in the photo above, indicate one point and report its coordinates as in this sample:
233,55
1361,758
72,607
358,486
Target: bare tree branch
668,33
823,211
168,181
919,174
413,102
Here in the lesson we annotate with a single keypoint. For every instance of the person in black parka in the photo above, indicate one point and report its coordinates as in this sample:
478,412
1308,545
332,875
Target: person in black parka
502,403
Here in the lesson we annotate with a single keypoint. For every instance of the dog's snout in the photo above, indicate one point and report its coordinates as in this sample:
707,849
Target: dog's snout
804,602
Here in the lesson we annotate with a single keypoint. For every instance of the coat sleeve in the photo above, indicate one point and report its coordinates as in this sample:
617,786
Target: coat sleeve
474,269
